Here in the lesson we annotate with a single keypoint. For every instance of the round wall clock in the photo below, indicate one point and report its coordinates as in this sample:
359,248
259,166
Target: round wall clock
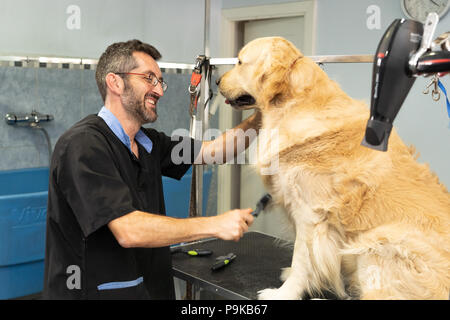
419,9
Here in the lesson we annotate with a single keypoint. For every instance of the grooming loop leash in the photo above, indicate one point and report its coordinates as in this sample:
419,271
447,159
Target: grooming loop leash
195,127
441,86
194,87
435,94
196,132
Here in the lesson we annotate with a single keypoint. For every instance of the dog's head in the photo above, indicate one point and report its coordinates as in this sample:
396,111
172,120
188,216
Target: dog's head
264,76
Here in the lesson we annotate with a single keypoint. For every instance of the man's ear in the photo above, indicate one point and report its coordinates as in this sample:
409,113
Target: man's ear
115,83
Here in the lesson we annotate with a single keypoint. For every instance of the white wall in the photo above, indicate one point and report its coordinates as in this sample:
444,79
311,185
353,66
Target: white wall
39,27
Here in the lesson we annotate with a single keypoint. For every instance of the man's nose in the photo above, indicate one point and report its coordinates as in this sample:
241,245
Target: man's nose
158,89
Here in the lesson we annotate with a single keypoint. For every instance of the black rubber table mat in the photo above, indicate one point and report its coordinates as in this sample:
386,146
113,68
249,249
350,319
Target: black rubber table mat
257,266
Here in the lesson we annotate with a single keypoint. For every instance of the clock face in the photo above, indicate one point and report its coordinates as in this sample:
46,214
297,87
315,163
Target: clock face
419,9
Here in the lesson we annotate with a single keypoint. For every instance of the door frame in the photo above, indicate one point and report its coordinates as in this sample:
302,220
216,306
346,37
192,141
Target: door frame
230,40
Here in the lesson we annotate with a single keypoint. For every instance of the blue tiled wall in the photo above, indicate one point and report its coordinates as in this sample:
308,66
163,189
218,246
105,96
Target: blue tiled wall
67,94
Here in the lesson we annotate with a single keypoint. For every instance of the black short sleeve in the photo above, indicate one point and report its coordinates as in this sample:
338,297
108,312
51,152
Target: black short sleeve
177,154
91,183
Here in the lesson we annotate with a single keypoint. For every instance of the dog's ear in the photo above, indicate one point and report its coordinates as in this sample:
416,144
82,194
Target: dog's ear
302,75
273,84
275,78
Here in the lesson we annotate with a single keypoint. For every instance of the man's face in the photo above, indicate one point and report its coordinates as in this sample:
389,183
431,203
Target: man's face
140,96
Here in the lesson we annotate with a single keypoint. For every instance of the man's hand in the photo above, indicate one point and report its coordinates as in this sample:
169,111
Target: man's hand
232,224
146,230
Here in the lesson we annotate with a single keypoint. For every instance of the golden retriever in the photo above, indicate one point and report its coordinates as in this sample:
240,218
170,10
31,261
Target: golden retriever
369,224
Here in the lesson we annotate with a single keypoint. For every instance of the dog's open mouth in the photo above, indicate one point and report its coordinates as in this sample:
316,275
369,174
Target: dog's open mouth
242,102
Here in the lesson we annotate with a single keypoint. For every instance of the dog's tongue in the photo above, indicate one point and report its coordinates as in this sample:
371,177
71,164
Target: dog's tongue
227,101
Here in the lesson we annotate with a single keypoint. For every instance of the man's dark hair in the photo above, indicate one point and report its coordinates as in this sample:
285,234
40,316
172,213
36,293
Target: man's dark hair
118,57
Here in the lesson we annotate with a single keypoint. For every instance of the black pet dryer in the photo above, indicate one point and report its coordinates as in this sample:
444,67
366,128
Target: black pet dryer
404,52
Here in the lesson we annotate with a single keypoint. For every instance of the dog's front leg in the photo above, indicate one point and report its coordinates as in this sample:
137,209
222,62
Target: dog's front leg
297,278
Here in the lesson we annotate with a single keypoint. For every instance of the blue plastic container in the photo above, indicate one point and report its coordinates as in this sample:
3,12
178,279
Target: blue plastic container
177,194
23,209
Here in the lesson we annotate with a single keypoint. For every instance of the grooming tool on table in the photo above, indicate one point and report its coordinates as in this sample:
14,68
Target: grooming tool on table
223,261
262,203
192,252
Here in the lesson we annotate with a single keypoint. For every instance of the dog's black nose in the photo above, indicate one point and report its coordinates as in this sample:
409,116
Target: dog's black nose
218,81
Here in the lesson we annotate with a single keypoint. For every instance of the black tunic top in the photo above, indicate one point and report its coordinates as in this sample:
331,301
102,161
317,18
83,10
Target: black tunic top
94,179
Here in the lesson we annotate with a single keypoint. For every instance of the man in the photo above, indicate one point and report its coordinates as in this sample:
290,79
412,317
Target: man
107,233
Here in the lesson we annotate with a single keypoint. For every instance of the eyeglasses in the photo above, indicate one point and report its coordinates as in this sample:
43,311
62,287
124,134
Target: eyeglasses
151,78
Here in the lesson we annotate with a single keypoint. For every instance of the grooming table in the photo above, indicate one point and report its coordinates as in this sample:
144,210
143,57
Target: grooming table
257,266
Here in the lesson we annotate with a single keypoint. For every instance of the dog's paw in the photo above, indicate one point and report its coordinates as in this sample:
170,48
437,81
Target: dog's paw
275,294
268,294
285,273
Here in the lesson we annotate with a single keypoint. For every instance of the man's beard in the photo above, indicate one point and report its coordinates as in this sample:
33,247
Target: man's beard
136,107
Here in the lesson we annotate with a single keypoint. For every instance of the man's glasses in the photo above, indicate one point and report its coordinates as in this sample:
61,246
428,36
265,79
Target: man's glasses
151,78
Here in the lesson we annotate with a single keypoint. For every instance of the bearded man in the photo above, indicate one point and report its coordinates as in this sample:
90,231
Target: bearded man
108,235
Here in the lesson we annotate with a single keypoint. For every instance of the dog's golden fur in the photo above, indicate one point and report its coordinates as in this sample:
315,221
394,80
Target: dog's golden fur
369,224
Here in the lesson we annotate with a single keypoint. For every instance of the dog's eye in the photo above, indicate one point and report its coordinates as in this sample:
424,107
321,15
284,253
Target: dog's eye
239,62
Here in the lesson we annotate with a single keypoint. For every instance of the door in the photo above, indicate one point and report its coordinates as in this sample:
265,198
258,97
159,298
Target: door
290,28
269,222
